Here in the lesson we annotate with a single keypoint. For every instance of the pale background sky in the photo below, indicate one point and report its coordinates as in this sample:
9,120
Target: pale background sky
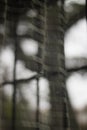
76,46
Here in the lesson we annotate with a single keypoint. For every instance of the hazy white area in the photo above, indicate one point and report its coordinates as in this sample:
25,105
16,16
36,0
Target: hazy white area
68,2
76,40
31,13
77,88
29,47
22,72
6,65
22,28
30,90
76,46
7,57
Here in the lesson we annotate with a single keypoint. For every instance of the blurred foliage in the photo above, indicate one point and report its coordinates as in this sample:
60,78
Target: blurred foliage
15,15
34,28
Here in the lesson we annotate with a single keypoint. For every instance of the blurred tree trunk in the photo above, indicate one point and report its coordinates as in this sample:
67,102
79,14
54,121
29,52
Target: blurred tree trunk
54,66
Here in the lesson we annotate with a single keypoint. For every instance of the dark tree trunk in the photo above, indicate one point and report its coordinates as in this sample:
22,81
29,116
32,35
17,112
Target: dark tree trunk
54,66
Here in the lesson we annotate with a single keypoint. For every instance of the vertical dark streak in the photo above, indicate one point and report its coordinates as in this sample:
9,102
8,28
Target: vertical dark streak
37,87
2,109
14,84
66,119
38,103
39,70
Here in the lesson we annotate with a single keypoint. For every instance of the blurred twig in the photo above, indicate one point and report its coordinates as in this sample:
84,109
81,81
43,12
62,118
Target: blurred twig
26,80
18,81
82,68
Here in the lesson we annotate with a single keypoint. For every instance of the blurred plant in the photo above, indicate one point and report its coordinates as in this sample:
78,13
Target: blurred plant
53,61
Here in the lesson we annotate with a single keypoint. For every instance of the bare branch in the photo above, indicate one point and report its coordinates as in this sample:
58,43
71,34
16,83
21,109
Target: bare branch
27,80
76,69
20,81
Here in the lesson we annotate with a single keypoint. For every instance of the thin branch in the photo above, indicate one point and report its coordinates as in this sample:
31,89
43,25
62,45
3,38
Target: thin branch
18,81
76,69
27,80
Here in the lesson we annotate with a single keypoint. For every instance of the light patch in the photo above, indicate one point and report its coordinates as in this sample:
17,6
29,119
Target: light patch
22,71
29,92
76,41
32,13
8,89
22,28
7,57
77,89
44,105
29,47
68,2
44,87
7,63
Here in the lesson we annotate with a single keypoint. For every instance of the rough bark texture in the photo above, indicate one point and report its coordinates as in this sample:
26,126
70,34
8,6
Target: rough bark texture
54,66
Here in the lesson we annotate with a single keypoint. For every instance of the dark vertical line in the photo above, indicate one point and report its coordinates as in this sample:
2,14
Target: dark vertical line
2,108
37,87
38,104
14,84
66,117
39,69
